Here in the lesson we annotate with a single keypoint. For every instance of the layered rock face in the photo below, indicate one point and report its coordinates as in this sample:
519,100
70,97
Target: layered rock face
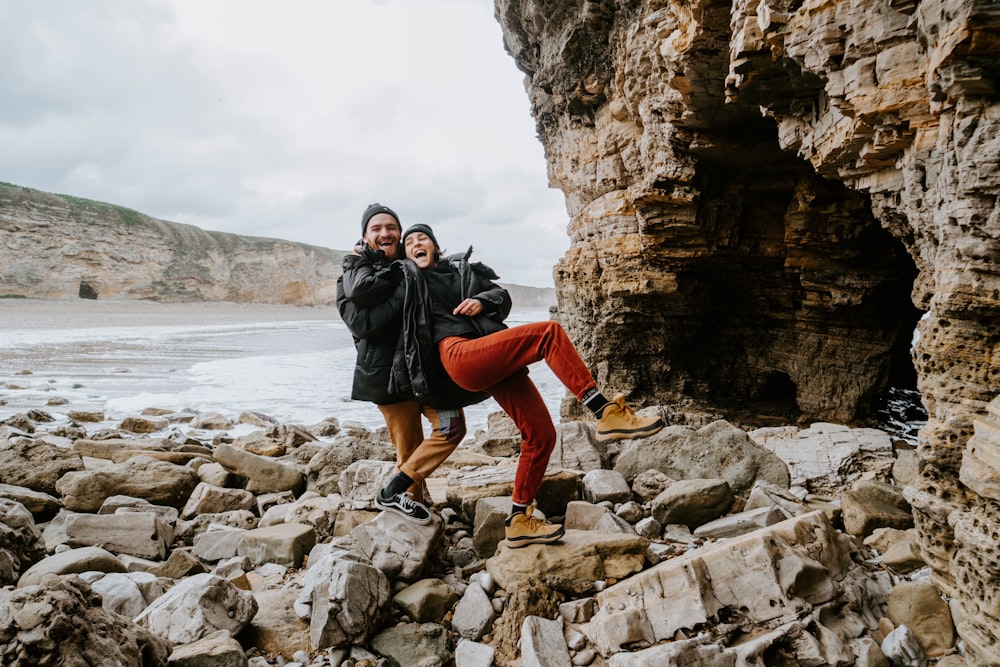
765,196
56,247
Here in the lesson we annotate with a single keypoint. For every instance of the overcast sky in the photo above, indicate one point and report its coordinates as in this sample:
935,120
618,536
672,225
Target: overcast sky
283,119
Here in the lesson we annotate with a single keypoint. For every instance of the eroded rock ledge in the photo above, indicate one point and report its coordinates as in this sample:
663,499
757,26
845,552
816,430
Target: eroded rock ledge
774,193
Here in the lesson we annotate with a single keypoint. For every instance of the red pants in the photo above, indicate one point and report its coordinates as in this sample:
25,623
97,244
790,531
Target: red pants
491,364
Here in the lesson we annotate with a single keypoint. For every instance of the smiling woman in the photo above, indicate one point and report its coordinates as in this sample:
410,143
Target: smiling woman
274,119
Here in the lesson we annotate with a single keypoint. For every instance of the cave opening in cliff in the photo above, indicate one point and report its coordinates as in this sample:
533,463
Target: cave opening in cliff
776,395
87,291
802,307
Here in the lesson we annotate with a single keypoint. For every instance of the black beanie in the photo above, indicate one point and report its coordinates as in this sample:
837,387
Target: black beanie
419,227
371,212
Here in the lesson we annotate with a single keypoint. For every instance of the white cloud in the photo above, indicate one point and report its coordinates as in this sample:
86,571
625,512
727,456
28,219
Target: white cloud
283,119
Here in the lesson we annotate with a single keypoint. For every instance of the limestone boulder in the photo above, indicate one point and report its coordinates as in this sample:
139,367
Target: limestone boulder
208,498
918,606
159,482
425,601
141,534
324,468
41,505
265,475
21,544
276,628
771,576
72,561
348,601
716,451
828,456
128,593
34,621
693,502
36,465
196,607
414,644
465,488
403,550
474,614
573,564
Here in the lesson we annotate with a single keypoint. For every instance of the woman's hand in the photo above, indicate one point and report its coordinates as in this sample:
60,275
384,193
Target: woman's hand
469,307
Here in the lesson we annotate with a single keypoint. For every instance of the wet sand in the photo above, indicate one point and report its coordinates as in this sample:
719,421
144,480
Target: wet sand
89,313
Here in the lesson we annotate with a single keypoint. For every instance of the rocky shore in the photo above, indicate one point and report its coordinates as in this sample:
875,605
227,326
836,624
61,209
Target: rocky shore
152,544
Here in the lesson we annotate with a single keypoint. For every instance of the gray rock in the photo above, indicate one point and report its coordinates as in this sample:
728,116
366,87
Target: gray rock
196,607
650,483
36,465
44,612
347,602
128,593
605,485
267,475
542,644
159,482
426,601
583,515
473,654
141,534
577,448
403,550
488,528
41,505
693,502
740,523
218,649
474,614
716,451
324,468
221,543
21,544
73,561
902,649
414,644
285,544
208,498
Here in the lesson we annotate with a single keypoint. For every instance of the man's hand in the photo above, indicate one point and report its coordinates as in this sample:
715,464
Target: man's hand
393,273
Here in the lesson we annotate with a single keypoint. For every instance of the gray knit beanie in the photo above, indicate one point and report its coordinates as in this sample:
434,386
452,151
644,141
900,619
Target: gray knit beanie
372,211
420,227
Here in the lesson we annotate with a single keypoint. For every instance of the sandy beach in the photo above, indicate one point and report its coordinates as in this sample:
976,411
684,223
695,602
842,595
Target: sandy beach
87,313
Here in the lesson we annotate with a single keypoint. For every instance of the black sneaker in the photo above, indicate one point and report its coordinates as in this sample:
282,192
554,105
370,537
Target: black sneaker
403,504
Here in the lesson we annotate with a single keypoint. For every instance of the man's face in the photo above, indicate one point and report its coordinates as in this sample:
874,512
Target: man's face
420,248
383,234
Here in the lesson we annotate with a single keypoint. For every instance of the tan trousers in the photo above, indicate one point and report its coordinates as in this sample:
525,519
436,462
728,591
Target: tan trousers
416,455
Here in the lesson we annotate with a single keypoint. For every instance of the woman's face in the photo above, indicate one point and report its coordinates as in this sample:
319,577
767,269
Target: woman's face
420,249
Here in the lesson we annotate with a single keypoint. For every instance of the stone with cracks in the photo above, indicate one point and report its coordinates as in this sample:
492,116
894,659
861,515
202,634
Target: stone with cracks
197,607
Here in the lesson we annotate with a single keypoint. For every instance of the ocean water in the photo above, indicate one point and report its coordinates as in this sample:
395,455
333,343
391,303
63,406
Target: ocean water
298,371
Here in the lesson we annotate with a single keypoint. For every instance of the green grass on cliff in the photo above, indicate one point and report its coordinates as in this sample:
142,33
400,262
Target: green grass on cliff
87,207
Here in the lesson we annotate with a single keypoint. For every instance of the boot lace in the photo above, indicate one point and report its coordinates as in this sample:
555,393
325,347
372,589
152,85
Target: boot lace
534,523
627,413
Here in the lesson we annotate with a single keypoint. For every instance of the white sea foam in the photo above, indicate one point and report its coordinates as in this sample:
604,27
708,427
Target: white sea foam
296,371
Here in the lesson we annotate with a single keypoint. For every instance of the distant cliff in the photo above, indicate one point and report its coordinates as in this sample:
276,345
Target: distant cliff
531,297
58,246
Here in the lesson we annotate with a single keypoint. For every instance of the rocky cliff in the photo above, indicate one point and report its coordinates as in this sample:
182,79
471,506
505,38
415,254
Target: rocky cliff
776,193
56,246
